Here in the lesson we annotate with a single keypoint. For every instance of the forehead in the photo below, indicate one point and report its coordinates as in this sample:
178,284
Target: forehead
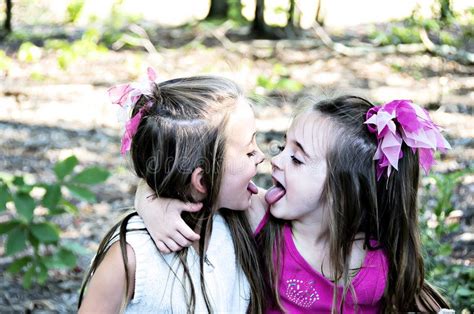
312,131
241,124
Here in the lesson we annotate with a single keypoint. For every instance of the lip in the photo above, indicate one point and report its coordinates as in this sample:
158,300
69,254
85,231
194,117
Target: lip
277,182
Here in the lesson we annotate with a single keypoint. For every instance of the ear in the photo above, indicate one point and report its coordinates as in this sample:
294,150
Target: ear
197,180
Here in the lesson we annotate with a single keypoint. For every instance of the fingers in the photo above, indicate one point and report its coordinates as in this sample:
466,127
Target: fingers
172,245
177,243
181,240
192,207
187,232
178,206
162,247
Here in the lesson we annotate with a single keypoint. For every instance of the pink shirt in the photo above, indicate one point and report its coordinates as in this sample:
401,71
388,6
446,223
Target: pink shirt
305,290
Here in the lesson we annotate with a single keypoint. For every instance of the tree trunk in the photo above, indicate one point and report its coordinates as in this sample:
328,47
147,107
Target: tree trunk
291,13
319,13
293,20
219,9
8,19
258,25
446,11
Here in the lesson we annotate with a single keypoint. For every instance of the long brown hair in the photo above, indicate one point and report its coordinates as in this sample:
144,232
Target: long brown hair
182,130
384,210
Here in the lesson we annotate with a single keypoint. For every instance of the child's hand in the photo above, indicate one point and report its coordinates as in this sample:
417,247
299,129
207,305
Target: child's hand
162,218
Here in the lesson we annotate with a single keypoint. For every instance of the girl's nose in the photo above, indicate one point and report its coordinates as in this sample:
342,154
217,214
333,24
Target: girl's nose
276,162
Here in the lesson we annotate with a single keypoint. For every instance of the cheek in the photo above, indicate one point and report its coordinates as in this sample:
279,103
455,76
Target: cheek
305,186
235,179
240,170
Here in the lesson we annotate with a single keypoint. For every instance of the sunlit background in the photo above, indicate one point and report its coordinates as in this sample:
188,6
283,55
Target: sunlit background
63,182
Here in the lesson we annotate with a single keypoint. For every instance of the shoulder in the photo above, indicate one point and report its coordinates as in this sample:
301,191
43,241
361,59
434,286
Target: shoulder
258,208
115,259
374,273
109,281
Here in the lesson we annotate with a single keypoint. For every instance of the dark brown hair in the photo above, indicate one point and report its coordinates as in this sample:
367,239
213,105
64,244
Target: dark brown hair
182,128
385,211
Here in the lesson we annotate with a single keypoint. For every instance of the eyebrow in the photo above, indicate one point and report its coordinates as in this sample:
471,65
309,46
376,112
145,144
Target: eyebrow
298,144
301,148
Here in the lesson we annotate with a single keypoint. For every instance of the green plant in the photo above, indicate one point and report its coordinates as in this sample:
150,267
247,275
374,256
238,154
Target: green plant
33,238
235,12
29,52
448,39
455,280
67,53
74,9
5,61
278,81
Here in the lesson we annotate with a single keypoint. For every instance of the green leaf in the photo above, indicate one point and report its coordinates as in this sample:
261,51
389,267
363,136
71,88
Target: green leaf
65,167
67,258
445,250
24,188
45,232
7,226
16,241
69,207
93,175
52,196
75,248
19,264
58,210
33,240
464,292
43,273
18,181
62,259
4,196
81,193
25,205
28,277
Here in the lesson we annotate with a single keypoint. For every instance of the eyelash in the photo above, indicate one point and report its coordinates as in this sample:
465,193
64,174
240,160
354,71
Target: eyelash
293,158
251,154
296,161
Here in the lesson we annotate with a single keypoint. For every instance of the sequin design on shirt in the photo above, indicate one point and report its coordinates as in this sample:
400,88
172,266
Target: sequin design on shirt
301,293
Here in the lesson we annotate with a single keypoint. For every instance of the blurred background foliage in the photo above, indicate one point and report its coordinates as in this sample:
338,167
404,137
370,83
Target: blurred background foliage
54,209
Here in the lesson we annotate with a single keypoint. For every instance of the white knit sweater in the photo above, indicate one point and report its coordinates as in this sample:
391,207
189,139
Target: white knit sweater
159,290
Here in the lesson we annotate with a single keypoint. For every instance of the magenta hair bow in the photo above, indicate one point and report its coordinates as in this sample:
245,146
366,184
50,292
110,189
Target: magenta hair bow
402,121
126,96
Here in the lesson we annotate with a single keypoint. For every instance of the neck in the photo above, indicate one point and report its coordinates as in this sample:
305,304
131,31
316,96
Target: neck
312,228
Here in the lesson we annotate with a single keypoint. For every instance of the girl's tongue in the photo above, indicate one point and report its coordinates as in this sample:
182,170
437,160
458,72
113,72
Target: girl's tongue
274,194
252,188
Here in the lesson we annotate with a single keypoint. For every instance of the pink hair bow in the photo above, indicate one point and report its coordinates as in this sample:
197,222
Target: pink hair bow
126,96
402,121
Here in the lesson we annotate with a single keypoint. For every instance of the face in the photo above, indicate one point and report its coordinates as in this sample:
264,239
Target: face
300,168
241,158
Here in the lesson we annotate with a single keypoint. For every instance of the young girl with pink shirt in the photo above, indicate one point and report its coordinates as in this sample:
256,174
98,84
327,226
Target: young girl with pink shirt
341,233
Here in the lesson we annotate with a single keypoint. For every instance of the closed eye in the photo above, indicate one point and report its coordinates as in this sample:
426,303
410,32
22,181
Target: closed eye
251,154
296,161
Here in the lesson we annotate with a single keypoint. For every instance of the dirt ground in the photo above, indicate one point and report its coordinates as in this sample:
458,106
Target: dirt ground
68,113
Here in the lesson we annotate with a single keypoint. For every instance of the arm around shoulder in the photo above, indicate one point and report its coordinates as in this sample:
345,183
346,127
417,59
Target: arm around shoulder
107,286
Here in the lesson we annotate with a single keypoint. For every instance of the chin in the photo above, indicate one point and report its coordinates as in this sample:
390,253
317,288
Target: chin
278,210
242,206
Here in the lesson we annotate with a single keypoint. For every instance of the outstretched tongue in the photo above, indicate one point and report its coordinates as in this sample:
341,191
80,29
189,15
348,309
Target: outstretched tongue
252,188
274,194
